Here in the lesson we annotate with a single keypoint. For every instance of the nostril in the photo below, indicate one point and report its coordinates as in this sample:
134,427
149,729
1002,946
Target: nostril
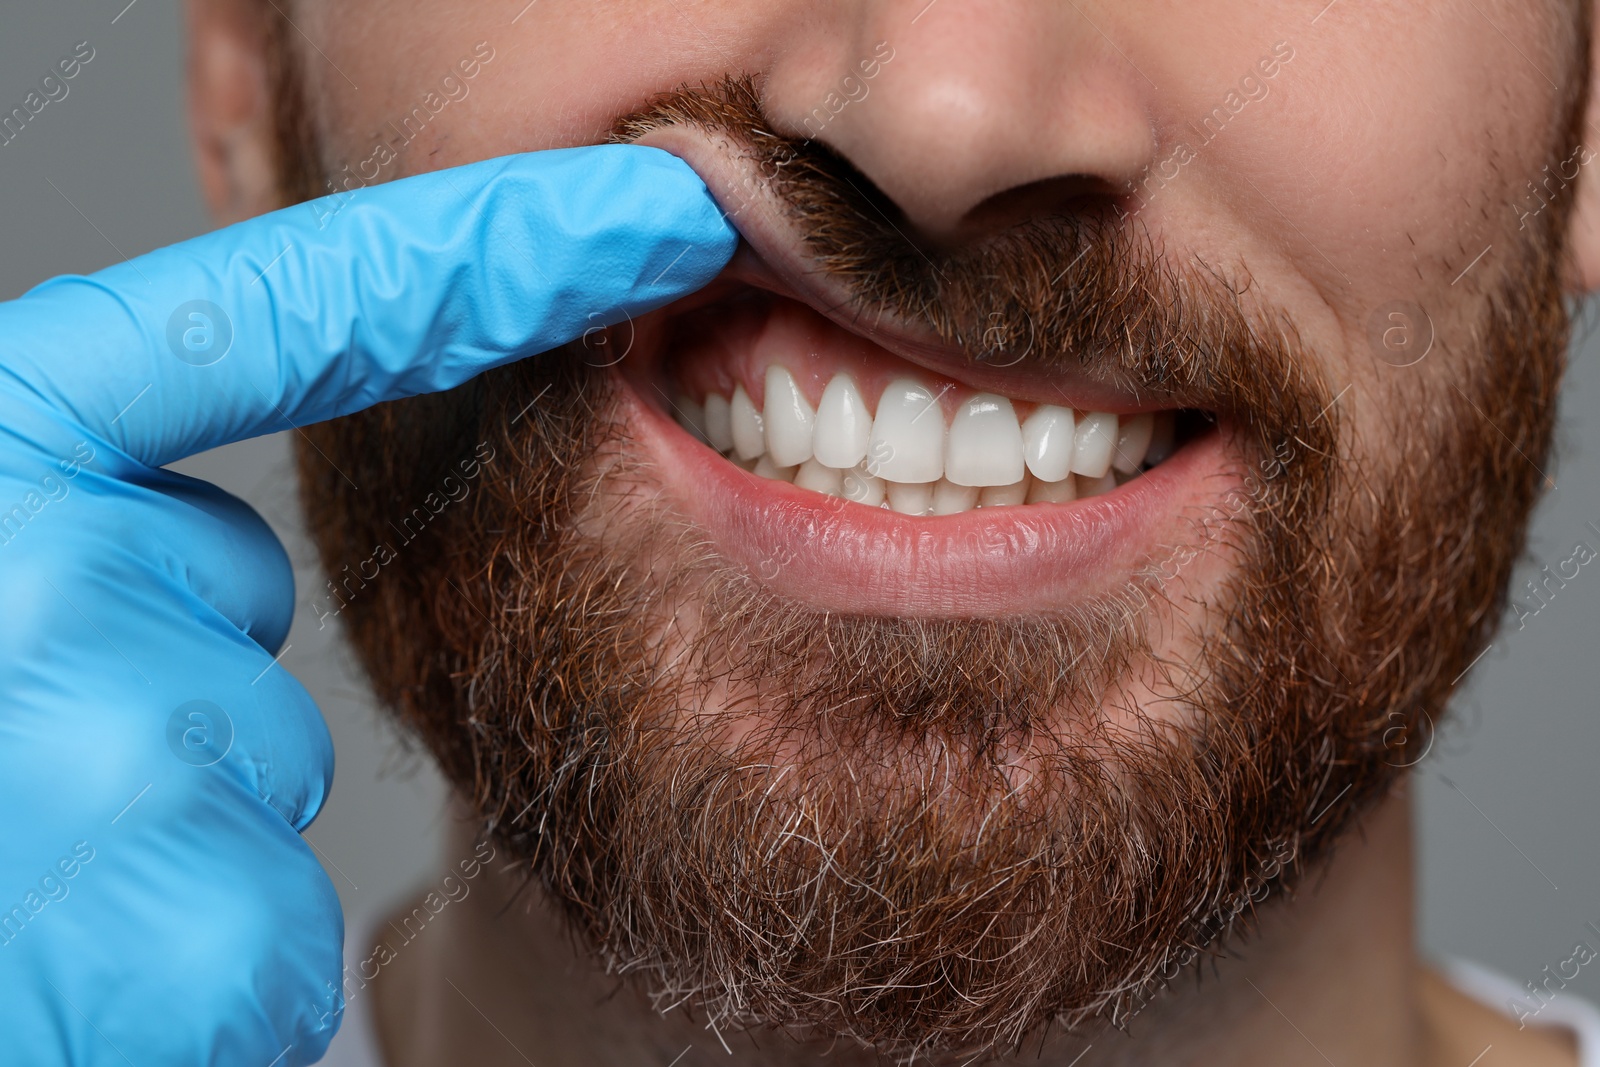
870,199
1068,194
1055,197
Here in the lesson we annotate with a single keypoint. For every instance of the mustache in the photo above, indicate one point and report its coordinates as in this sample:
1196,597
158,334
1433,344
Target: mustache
1083,286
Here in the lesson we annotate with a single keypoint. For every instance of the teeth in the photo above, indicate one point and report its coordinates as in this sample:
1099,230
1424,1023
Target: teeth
1133,441
1003,496
910,499
1093,443
820,479
768,469
1164,428
749,441
787,418
952,499
1047,439
907,443
1052,492
692,417
1095,486
863,488
905,460
844,425
985,443
719,422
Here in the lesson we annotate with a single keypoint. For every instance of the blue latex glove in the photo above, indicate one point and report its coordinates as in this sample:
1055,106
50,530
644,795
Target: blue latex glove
157,904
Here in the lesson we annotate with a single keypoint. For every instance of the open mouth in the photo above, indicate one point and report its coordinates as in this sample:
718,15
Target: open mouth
789,396
851,477
859,465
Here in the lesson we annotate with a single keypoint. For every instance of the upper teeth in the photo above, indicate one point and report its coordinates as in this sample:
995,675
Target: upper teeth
907,459
908,434
844,424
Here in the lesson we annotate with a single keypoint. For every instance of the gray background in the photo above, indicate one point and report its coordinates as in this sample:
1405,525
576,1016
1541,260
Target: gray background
1509,869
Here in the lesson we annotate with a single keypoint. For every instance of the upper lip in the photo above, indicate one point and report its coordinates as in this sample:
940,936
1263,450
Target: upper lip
772,257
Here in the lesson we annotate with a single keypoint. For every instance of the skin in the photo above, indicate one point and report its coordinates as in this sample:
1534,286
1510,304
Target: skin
1387,154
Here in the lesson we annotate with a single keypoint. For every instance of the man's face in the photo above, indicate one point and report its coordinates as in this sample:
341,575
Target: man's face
1017,743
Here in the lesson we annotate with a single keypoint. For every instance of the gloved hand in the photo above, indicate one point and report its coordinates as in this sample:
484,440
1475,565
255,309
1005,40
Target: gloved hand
157,904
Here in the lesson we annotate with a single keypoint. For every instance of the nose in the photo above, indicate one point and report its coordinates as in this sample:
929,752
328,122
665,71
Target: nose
966,113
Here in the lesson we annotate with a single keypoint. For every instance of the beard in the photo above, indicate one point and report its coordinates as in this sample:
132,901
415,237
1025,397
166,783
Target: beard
936,836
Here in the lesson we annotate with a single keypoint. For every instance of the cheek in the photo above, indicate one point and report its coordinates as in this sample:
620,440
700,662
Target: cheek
560,74
1393,149
1395,144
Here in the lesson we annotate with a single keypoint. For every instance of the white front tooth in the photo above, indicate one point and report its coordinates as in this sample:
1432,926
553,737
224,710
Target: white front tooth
719,422
1133,441
1088,486
768,469
910,499
985,444
1093,443
863,488
749,441
787,417
844,425
1052,492
907,443
1162,433
819,478
952,499
1047,442
1004,496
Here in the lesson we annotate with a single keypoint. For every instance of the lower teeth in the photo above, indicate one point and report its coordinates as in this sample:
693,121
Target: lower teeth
927,498
930,498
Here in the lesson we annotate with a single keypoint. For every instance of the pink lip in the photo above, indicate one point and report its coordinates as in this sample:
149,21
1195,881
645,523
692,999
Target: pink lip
846,557
840,556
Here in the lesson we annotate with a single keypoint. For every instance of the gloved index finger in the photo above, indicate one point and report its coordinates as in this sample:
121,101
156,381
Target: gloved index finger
325,308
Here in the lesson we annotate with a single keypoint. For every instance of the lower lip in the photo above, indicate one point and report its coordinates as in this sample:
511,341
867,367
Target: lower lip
839,556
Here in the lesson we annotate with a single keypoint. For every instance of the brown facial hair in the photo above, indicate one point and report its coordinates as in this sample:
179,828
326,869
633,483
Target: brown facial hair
935,835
